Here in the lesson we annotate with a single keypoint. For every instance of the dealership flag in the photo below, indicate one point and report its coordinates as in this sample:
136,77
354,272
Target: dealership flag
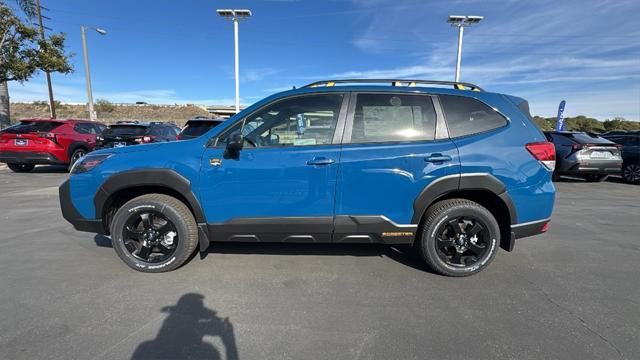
560,121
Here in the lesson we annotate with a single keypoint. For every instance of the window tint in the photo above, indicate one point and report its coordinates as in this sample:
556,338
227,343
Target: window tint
126,130
197,128
99,128
299,121
27,126
625,140
466,116
393,117
561,140
85,128
585,138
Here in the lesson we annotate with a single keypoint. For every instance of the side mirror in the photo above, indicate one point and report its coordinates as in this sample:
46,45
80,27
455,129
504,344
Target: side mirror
234,145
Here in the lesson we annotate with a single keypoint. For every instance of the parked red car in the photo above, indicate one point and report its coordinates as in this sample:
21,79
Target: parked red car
47,141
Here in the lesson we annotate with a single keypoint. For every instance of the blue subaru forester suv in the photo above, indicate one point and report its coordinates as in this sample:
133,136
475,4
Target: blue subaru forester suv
455,171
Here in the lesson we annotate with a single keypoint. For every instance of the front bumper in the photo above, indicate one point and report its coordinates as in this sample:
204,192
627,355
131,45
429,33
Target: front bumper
29,157
72,215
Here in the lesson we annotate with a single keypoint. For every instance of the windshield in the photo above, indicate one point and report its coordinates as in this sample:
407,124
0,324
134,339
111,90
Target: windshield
197,128
27,126
125,130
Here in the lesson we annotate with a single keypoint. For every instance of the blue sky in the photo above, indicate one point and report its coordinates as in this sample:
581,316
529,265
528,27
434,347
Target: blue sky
162,51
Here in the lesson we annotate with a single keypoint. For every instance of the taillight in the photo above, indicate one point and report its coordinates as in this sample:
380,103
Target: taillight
544,152
145,139
47,135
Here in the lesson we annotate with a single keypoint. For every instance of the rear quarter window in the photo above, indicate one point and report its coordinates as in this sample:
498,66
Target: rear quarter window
467,116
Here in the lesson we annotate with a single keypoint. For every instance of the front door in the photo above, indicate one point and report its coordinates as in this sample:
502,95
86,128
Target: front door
281,185
395,145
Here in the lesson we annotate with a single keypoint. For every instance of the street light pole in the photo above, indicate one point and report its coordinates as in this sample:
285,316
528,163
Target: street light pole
235,15
461,21
237,61
459,58
87,73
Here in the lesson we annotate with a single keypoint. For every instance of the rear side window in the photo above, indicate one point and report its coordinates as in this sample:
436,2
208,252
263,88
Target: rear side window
197,128
467,116
85,128
393,117
33,126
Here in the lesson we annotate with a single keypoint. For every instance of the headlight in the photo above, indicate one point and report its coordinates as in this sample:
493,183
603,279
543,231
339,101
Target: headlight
88,162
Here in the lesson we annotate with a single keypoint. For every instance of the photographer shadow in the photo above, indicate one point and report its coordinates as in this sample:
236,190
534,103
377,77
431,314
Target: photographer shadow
182,333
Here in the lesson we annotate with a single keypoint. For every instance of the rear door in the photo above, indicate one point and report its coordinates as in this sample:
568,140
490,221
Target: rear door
395,144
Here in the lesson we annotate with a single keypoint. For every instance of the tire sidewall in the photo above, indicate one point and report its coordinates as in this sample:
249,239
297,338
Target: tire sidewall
136,207
429,239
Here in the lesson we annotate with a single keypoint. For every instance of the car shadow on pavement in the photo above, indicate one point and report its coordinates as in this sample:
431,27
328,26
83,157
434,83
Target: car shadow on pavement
49,169
183,331
403,254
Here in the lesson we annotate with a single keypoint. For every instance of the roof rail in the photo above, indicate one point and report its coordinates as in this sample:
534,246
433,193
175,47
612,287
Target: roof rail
397,82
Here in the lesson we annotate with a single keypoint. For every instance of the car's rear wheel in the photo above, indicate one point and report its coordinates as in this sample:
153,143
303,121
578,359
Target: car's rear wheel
75,156
154,233
631,173
596,177
459,237
21,168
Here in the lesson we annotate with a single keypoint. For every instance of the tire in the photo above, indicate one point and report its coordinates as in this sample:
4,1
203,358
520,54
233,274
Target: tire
596,178
631,173
440,222
75,156
555,177
129,224
21,168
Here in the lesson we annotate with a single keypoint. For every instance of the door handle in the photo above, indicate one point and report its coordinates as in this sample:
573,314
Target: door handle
436,157
320,161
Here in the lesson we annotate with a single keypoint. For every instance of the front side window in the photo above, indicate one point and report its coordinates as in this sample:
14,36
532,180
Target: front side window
466,116
393,117
299,121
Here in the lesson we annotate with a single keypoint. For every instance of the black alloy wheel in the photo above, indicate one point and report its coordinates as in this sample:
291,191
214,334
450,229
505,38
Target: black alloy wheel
631,173
463,241
150,236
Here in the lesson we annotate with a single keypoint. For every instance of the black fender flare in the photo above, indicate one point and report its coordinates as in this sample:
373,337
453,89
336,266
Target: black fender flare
167,178
459,182
75,145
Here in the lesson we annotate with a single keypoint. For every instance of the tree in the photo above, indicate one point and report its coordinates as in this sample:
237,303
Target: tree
23,52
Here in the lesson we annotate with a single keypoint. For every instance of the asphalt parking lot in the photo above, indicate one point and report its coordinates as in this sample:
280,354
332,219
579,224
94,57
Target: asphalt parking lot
571,293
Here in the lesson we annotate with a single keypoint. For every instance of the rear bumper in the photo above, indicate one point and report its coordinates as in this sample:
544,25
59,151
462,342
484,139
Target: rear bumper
519,231
594,167
29,157
72,215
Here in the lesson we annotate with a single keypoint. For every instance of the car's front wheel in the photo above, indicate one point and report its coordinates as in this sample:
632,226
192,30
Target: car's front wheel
459,237
631,173
21,168
154,233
